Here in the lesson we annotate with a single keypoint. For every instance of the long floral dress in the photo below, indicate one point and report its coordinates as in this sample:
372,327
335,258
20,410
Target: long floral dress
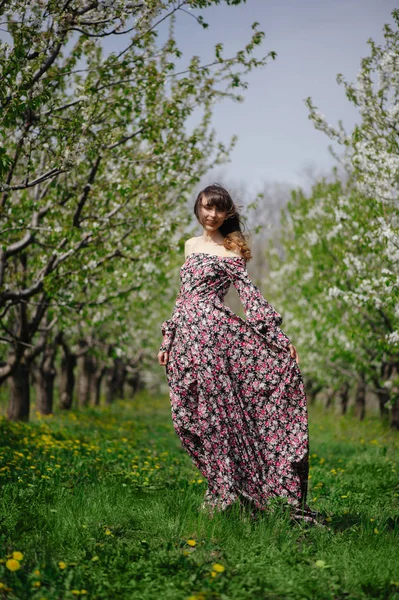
237,396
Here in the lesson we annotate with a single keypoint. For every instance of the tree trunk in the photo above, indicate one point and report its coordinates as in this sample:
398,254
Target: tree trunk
360,398
95,385
112,382
115,381
395,413
67,382
133,382
45,396
383,398
19,403
395,398
85,371
121,377
132,375
384,393
45,380
344,395
330,397
312,388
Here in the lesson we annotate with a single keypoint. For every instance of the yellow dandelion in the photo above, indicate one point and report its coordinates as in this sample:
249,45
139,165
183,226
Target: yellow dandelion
36,572
213,573
320,564
191,542
376,531
218,568
36,584
12,564
62,564
108,531
75,592
17,555
344,496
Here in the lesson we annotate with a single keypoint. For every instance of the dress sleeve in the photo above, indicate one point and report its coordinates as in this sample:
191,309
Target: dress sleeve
259,313
168,327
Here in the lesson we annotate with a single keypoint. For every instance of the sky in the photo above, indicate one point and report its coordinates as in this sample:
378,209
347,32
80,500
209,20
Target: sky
314,40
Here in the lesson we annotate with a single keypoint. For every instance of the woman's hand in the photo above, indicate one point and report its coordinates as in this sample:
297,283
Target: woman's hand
294,353
163,358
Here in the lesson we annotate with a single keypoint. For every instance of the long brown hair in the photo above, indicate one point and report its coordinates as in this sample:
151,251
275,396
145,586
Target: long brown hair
232,228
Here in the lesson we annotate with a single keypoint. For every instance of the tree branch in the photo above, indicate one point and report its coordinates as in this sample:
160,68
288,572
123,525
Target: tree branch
47,64
29,184
124,139
82,201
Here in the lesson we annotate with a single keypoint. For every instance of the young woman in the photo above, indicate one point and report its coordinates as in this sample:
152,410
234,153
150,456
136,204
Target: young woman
237,395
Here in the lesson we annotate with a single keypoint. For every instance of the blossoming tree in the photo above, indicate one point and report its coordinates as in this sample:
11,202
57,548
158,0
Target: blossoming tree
342,244
96,160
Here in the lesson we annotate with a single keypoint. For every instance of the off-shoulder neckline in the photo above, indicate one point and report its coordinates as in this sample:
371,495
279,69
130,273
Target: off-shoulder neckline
214,255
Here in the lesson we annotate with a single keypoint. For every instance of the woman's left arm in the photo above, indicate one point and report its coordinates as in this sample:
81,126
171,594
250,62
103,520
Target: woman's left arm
259,313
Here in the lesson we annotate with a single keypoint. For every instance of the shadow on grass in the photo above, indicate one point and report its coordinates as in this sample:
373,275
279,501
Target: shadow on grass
345,522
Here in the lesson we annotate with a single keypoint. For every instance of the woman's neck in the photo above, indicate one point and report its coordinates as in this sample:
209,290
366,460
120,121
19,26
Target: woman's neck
212,237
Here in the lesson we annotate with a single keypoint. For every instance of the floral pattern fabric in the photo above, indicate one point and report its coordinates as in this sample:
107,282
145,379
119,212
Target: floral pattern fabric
238,401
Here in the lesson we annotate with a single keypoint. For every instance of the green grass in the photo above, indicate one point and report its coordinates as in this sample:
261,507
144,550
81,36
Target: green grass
102,504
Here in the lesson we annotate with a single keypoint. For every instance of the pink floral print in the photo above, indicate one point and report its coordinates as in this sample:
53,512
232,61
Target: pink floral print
238,401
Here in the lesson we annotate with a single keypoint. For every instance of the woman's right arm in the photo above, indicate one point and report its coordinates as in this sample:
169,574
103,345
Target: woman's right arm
168,327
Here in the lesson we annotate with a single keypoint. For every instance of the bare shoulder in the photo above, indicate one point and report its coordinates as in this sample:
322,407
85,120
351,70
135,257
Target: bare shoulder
189,245
191,241
195,244
235,251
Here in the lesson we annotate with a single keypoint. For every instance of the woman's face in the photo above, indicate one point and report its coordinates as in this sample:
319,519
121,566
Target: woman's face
211,217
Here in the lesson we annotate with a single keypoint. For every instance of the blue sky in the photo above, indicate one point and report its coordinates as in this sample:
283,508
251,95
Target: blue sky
314,40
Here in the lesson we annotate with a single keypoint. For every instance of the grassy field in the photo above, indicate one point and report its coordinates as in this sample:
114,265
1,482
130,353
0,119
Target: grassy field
103,504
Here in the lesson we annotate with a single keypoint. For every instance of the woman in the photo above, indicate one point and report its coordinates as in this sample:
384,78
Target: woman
237,396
